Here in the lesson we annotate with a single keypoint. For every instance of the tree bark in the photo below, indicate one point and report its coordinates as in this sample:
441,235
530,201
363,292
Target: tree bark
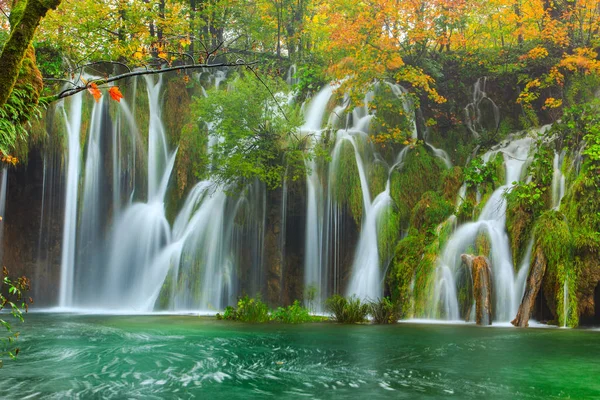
24,18
534,282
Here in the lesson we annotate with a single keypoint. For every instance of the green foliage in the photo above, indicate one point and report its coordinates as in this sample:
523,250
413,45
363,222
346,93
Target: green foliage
554,237
292,314
310,78
388,233
249,309
48,59
478,172
383,311
421,173
346,181
465,211
528,196
15,115
452,180
12,297
347,311
392,123
253,133
430,211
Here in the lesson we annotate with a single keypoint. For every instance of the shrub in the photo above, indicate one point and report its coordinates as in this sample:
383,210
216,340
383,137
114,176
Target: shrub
384,311
249,309
293,314
347,311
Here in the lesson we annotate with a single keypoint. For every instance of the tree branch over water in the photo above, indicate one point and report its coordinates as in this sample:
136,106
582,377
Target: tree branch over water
103,81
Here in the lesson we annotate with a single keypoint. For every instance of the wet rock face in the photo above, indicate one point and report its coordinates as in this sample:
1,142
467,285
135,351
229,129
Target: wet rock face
31,243
482,287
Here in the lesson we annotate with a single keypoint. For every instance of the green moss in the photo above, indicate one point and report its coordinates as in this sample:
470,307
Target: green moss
483,244
452,180
346,181
552,235
409,253
430,211
465,211
519,223
378,176
421,173
388,233
166,293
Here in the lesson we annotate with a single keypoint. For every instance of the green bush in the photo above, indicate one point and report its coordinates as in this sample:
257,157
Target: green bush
347,311
293,314
384,311
249,309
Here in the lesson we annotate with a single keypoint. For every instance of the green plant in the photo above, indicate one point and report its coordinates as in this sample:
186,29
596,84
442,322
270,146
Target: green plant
12,296
347,311
527,196
249,309
384,311
478,172
292,314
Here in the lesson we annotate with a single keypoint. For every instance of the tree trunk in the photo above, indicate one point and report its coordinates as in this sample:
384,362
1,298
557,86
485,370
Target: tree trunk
24,18
534,282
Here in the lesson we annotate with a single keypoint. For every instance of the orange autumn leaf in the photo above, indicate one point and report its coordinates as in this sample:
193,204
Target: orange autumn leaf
115,94
93,89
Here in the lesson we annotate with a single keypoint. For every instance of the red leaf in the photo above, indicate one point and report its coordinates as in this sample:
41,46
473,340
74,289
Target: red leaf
115,94
93,89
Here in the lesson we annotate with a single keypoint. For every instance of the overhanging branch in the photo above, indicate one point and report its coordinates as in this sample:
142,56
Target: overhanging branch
104,81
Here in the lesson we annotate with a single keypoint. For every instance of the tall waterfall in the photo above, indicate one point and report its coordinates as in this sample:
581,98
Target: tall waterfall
120,252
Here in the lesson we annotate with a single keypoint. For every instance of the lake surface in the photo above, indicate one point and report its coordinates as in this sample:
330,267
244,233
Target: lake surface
161,356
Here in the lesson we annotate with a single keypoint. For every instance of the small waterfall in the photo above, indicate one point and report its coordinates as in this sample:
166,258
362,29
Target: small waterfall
290,77
507,288
558,180
481,114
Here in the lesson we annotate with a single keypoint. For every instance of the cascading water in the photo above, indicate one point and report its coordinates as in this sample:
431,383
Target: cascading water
558,180
137,260
73,125
481,114
325,214
507,288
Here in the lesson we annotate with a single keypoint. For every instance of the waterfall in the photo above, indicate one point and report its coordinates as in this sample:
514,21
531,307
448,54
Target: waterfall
558,180
73,125
120,251
315,251
507,288
482,111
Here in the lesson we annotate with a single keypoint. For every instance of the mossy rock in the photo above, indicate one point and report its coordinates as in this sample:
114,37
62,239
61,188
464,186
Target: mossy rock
452,180
553,237
422,172
388,234
519,225
346,181
430,211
